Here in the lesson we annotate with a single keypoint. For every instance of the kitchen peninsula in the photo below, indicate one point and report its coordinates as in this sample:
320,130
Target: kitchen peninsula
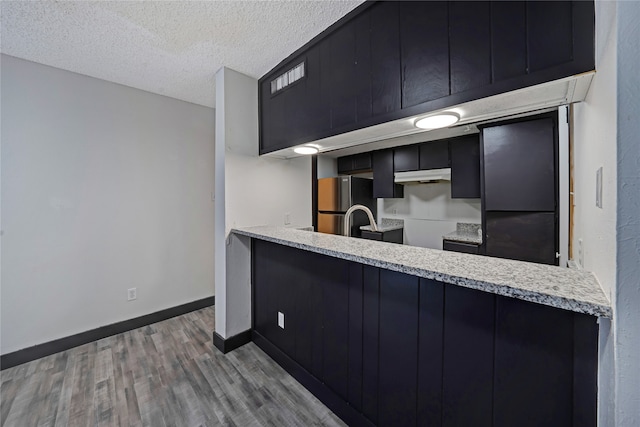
387,334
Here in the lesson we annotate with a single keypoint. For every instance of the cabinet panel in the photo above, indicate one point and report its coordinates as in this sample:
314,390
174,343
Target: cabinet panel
398,348
406,158
434,155
520,166
549,33
470,45
363,65
385,58
467,248
354,163
370,324
508,39
383,179
533,355
424,45
333,277
524,236
431,326
343,76
465,167
468,357
355,335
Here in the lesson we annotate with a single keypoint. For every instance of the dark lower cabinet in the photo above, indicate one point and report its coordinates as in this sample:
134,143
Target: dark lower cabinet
391,236
385,348
467,248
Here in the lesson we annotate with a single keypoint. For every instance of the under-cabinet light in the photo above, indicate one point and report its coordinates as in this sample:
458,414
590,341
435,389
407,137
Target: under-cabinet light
305,149
438,121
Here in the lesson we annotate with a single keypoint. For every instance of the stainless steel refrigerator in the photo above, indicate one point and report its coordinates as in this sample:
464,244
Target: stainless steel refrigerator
336,196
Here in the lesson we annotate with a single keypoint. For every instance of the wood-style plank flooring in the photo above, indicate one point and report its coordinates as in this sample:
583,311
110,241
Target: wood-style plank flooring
165,374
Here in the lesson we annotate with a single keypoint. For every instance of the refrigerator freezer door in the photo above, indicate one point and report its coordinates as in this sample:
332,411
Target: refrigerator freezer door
334,194
330,223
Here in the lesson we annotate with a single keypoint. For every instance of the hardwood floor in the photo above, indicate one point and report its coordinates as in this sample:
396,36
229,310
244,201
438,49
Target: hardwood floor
165,374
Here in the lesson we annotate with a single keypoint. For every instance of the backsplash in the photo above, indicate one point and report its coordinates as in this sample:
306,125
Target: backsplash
429,212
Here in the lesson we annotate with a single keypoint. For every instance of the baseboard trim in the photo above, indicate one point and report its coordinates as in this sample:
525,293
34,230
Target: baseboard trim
331,399
226,345
28,354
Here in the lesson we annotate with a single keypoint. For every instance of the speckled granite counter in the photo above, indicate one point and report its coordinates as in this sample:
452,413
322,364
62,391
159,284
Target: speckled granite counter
465,233
558,287
386,224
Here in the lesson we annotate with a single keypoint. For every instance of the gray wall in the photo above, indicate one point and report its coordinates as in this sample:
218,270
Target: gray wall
104,188
627,300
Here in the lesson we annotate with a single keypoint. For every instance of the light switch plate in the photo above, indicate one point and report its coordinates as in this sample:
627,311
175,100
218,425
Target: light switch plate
281,319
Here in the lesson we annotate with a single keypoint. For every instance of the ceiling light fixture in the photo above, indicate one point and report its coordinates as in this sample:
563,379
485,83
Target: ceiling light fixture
437,121
306,149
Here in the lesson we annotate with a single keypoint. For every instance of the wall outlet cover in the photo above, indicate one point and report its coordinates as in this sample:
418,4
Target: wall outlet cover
281,319
132,293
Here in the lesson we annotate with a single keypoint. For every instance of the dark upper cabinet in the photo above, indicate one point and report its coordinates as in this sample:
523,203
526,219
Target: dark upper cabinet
383,178
354,163
406,158
508,39
520,166
434,155
389,60
465,167
424,50
385,59
470,45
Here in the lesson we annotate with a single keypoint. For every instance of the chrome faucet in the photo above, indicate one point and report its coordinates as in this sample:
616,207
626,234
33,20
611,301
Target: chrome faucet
347,218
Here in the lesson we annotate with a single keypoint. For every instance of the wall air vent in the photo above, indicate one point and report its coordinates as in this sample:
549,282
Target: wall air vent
287,78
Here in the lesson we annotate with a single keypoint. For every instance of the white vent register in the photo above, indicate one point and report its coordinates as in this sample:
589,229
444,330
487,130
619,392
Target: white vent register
287,78
423,176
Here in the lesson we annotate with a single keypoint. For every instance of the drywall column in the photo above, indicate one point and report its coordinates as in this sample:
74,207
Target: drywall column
627,300
250,190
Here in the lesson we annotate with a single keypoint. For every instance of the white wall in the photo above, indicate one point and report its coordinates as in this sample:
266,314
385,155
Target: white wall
627,298
429,212
104,188
594,147
250,190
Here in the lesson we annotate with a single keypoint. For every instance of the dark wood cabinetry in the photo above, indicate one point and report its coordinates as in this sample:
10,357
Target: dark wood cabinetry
465,167
391,236
386,348
467,248
520,175
434,155
354,164
406,158
383,178
389,60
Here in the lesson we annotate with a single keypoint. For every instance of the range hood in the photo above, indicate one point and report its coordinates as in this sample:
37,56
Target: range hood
425,176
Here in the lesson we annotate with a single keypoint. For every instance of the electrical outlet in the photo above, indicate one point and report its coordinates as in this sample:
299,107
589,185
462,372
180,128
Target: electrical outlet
287,218
281,319
132,294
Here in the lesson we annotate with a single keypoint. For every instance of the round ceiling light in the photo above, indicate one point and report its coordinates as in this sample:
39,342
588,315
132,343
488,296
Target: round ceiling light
306,149
441,120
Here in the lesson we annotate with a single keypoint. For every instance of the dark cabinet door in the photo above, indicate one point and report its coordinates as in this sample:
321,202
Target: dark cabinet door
533,355
434,155
508,39
467,248
550,38
424,50
524,236
398,348
383,178
370,341
465,167
468,357
385,58
470,45
391,236
520,166
406,158
354,163
343,76
333,278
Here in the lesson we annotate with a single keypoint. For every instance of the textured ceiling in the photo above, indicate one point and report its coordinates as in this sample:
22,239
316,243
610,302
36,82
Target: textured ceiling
172,48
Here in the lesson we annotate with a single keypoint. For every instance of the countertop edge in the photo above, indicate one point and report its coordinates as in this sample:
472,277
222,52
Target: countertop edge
555,301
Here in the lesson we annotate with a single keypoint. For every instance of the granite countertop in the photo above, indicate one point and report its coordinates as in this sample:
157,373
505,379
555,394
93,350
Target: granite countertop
564,288
465,233
386,224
